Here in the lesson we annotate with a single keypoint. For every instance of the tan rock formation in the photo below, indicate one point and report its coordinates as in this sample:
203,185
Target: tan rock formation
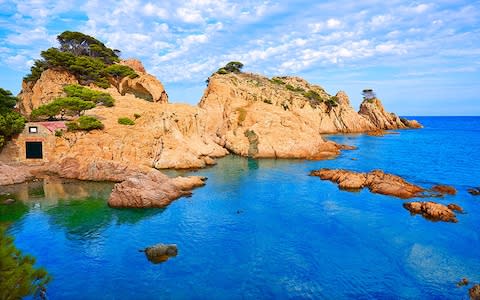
374,111
153,189
14,174
135,64
377,181
252,115
44,90
164,136
145,86
432,211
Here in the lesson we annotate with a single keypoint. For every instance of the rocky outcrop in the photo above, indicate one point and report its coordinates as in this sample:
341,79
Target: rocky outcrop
251,115
373,110
145,86
14,174
94,169
135,64
432,211
444,189
44,90
376,181
153,189
474,292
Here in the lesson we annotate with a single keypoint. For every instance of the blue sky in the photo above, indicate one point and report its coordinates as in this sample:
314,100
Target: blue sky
422,58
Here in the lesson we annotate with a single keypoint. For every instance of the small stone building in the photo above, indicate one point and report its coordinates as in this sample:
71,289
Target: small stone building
34,145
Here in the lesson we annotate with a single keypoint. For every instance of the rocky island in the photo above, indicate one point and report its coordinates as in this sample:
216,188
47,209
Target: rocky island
93,116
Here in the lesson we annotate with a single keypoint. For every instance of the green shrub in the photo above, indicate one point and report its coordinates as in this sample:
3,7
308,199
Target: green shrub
58,133
11,122
294,89
268,101
313,97
277,80
71,106
125,121
136,116
85,123
86,94
120,71
231,67
332,102
222,71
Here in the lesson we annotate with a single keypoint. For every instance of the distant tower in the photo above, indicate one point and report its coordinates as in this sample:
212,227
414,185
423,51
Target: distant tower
368,94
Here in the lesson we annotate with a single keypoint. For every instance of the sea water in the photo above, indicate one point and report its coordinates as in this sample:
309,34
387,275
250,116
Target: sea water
265,229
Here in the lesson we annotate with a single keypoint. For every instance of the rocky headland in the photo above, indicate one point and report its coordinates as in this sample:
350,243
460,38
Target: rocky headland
240,113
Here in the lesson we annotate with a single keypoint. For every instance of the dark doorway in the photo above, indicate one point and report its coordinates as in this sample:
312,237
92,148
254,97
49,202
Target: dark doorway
34,149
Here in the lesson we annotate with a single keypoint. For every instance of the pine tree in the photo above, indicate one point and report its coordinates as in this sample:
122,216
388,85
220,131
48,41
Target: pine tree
18,276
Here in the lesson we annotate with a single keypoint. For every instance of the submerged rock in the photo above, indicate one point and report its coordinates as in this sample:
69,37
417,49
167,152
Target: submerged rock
432,211
444,189
377,181
160,252
8,201
474,191
474,292
463,282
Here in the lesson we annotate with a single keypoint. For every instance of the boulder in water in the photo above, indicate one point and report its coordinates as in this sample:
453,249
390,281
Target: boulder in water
160,252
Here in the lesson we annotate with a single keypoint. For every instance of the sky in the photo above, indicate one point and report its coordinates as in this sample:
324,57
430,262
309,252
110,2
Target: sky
421,57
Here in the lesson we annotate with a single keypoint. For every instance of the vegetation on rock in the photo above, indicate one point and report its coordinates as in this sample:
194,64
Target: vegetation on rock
78,100
86,94
125,121
18,276
231,67
11,122
85,123
84,56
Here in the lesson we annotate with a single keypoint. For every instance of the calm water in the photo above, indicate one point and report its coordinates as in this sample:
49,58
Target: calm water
264,229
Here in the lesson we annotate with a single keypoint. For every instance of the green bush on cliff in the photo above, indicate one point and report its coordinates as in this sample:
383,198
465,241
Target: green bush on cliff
332,102
11,122
71,106
85,123
86,94
293,88
85,57
231,67
125,121
19,277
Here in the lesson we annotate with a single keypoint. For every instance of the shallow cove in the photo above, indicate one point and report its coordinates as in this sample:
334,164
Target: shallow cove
265,229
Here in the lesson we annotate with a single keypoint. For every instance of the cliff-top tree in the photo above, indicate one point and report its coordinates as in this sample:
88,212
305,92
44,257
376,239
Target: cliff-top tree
82,55
19,277
11,122
231,67
368,94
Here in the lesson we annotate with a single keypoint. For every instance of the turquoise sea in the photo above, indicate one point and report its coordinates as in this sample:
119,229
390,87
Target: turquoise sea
264,229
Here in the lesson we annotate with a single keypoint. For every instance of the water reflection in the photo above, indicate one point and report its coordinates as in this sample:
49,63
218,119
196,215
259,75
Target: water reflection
79,207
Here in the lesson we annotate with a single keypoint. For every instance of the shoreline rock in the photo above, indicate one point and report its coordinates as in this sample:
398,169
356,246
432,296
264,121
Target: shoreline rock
376,181
152,190
14,174
474,191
